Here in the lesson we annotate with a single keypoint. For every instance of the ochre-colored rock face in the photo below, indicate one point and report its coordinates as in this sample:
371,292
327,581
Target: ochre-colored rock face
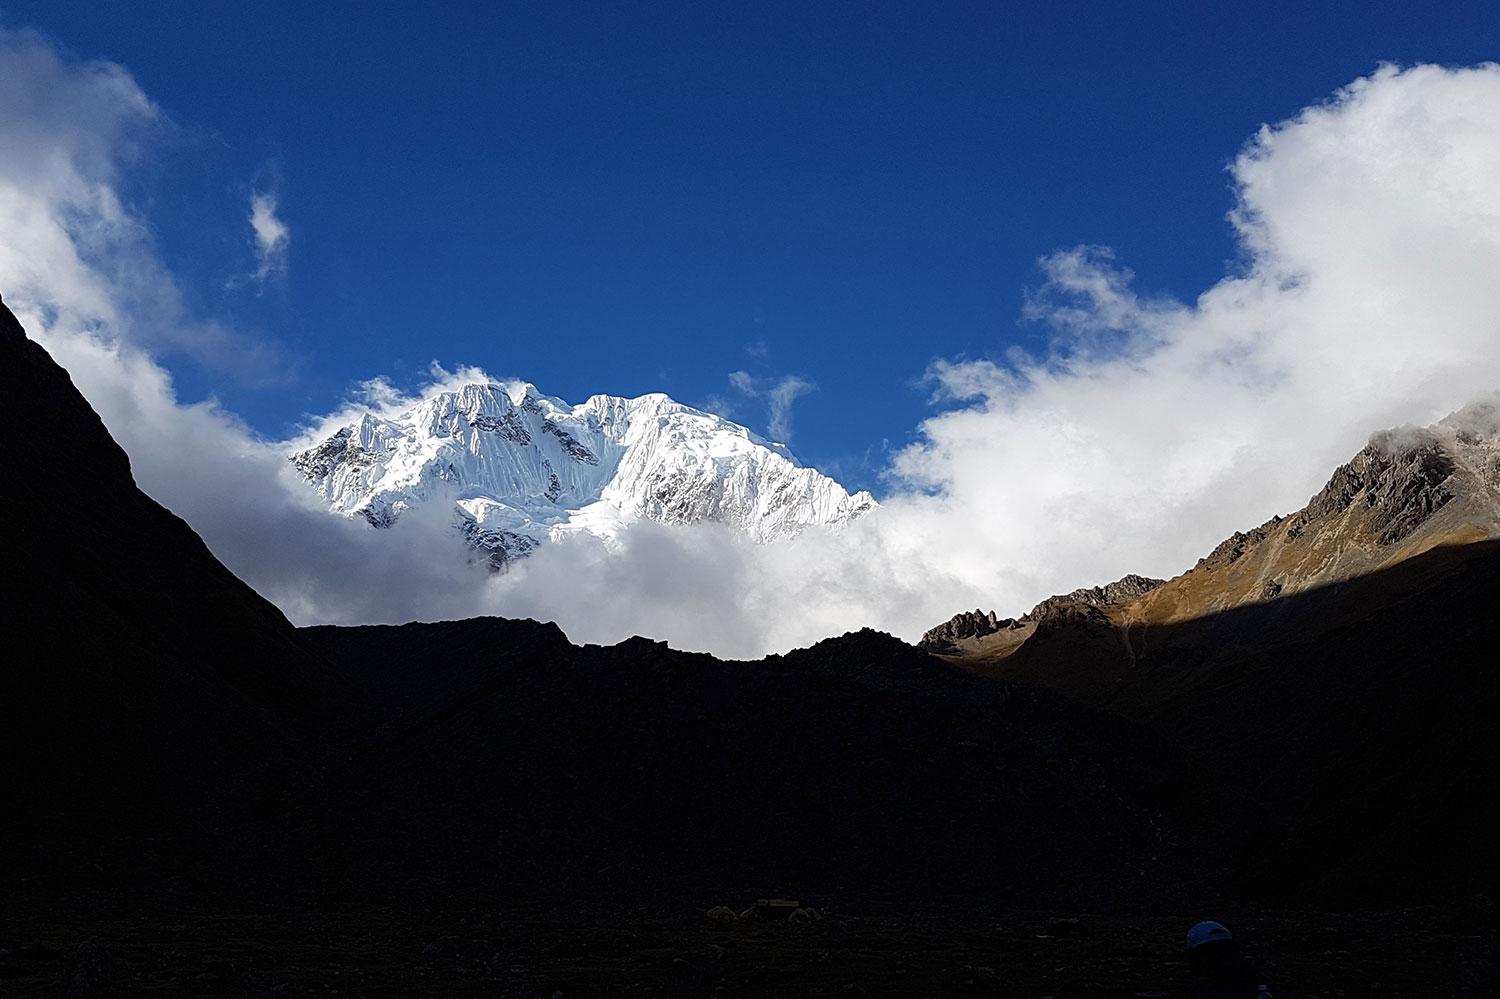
1407,492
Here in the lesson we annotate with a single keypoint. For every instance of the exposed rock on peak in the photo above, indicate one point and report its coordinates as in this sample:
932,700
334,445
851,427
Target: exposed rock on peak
1232,548
1400,478
966,624
1408,490
1109,595
977,631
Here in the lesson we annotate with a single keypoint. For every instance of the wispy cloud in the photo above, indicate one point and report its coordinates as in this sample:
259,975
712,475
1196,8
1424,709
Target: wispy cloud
778,393
743,383
272,238
74,257
782,393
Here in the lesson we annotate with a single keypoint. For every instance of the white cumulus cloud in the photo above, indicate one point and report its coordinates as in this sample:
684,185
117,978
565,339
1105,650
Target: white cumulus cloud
1370,230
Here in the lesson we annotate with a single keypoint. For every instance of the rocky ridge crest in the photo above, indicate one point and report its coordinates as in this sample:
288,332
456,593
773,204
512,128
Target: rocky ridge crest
1125,588
977,625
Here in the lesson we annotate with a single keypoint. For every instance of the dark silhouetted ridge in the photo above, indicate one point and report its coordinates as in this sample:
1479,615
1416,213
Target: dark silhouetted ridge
859,760
142,678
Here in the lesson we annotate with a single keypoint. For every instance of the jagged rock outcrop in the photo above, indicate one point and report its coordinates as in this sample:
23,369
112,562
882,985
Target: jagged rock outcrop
1109,595
966,624
977,631
1409,490
1401,479
1232,548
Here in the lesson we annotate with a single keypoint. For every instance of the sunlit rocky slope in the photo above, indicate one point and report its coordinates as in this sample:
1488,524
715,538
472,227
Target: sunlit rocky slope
1410,490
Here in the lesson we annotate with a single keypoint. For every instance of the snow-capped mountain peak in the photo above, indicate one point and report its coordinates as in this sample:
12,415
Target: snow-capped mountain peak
520,468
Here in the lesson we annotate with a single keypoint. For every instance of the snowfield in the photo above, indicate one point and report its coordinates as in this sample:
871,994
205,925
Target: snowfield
519,468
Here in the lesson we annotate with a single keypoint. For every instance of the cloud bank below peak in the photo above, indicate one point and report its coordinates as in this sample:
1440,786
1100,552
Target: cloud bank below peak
1369,234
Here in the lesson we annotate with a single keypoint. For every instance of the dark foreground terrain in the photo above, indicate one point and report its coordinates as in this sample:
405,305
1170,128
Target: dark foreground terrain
436,940
198,798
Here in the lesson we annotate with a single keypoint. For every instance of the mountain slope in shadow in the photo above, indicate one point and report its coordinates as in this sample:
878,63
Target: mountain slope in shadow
158,711
145,686
1357,719
503,750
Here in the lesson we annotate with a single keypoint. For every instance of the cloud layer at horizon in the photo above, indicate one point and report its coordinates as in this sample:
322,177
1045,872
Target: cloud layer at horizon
1369,231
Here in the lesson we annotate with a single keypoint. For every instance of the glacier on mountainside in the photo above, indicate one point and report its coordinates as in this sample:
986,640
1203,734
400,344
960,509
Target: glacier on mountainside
520,469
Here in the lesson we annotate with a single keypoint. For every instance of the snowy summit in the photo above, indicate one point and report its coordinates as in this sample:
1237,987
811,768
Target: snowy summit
521,468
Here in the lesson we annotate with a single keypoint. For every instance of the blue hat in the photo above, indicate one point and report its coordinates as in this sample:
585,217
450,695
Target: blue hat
1204,932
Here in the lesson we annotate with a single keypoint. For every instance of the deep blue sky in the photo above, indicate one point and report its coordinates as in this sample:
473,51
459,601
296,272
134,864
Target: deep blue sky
621,198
